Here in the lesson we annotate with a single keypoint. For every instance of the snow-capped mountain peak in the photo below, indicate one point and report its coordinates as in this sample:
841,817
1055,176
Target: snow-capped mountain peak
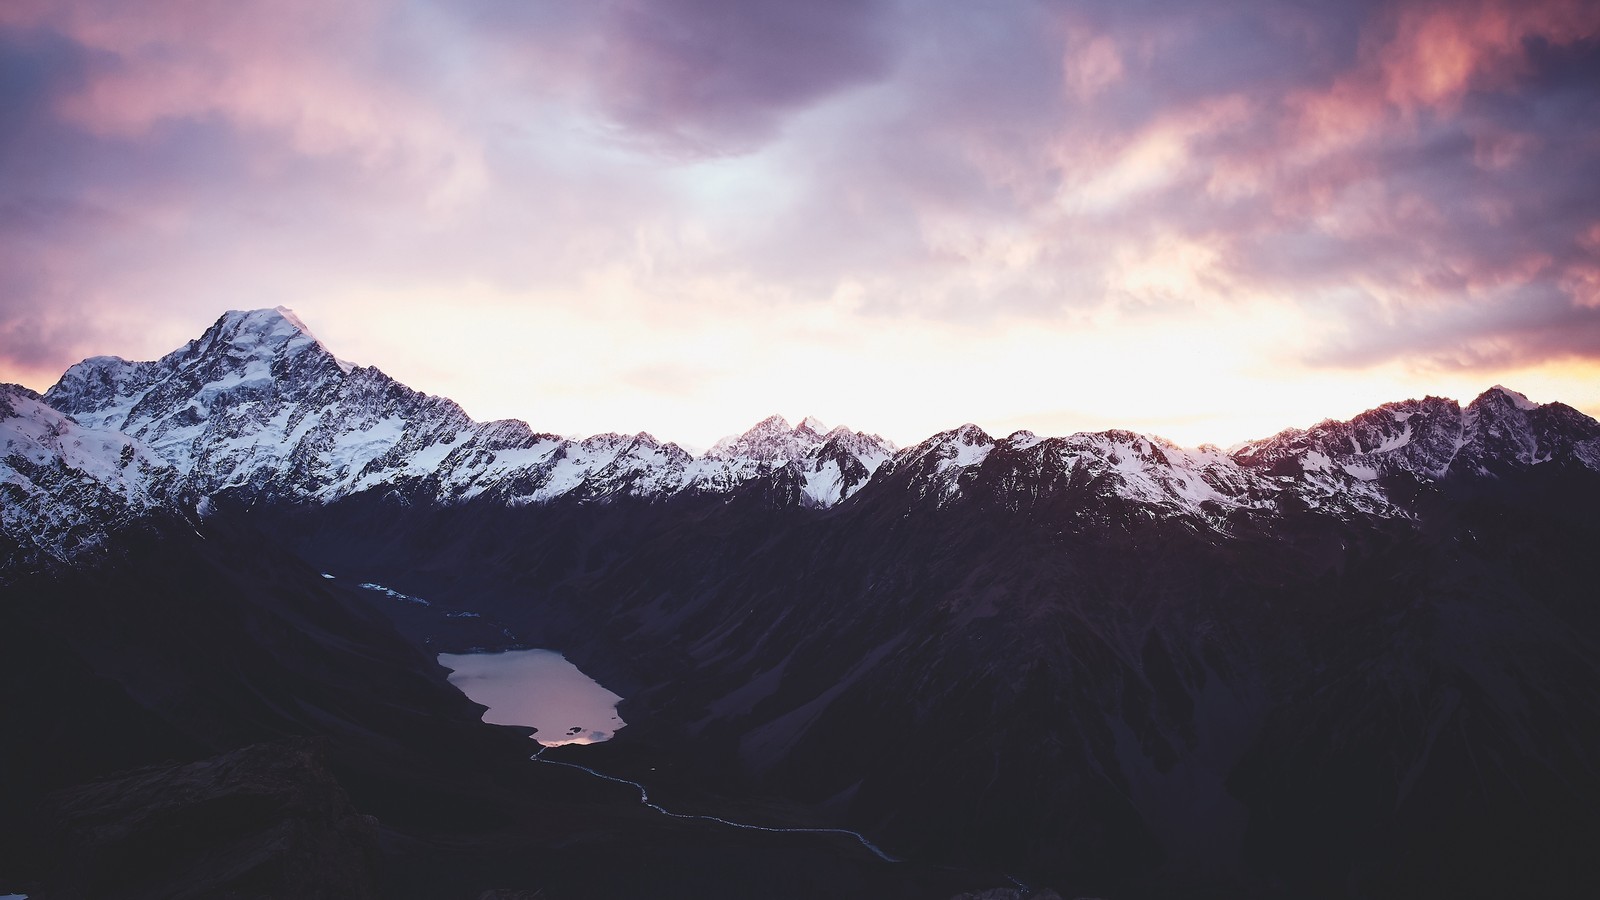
258,400
241,326
823,467
243,354
1502,430
262,336
1515,398
1432,438
258,405
938,464
964,446
770,439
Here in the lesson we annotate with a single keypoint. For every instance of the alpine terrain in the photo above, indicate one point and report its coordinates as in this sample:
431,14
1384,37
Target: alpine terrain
1358,660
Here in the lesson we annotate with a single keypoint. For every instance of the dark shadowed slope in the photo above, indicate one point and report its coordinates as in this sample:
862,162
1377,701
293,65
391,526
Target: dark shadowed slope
1354,660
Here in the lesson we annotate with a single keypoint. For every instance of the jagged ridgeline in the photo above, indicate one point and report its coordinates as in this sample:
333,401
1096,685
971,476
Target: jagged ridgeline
259,404
1358,659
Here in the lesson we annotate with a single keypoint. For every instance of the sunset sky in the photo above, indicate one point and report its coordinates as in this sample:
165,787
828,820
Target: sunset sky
1204,220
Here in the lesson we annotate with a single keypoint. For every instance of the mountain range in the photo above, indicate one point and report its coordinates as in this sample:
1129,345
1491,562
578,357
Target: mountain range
257,407
1352,660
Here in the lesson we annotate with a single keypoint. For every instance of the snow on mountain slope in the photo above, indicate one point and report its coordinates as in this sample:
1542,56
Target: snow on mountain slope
1155,475
1432,438
825,467
937,465
258,402
258,405
842,464
63,484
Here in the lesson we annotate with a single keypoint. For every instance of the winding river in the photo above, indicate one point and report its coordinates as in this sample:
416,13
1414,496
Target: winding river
542,690
644,797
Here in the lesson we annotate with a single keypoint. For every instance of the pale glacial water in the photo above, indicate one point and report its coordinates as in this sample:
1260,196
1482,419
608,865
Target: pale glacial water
539,689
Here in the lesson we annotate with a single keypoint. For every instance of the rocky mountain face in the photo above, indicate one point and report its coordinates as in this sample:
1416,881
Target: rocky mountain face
63,486
1500,432
1354,660
143,626
258,406
1080,690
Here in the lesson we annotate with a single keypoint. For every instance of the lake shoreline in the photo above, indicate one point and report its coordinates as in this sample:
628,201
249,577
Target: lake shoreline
539,689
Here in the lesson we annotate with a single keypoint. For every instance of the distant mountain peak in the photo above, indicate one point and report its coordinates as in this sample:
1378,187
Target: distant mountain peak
1501,431
970,435
257,404
1501,392
769,439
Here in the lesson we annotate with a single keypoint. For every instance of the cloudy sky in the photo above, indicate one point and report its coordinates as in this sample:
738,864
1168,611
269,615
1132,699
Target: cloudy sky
1206,220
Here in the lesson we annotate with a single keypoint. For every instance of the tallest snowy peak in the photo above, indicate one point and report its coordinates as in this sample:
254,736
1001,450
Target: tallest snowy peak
261,333
276,325
277,320
246,356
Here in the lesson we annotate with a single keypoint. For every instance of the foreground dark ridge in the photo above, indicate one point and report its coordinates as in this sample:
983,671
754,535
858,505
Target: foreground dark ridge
199,647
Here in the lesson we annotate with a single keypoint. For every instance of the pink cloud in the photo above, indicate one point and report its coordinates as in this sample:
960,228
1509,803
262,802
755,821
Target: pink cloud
693,78
295,69
1436,52
1406,172
1092,63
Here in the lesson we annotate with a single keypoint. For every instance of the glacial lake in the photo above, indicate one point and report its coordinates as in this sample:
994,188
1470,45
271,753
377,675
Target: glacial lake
538,689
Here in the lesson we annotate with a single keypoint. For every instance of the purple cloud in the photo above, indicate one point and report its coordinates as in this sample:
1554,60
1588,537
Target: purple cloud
701,77
1421,178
